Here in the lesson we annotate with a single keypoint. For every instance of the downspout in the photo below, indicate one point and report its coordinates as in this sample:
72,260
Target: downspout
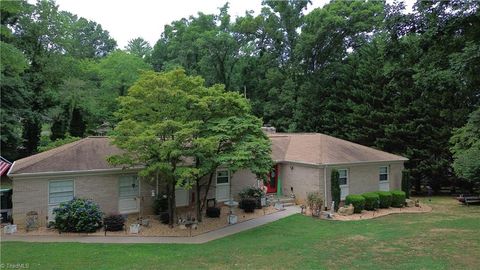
325,184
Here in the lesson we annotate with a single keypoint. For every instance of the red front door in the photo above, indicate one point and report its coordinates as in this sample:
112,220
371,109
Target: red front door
272,180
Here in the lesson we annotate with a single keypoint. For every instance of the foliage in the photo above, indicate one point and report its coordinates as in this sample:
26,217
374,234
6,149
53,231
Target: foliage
372,200
165,218
50,145
169,117
248,205
251,192
160,204
385,199
406,183
398,198
358,202
466,149
213,212
78,215
114,222
335,188
315,202
139,47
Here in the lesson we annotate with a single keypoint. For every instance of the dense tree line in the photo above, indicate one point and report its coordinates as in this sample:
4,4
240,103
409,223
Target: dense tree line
365,71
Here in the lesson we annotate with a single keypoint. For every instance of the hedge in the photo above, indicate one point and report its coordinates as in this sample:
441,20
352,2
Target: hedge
358,202
385,199
371,200
398,198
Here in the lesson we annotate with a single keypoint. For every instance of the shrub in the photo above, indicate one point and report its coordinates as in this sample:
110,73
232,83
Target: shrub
78,215
358,202
248,205
251,192
164,217
371,200
335,188
385,199
160,204
398,198
314,202
213,212
114,223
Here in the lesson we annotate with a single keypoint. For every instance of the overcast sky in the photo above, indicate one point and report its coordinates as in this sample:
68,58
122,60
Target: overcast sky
126,20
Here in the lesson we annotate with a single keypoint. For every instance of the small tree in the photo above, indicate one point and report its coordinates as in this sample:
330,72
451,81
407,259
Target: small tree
406,183
335,187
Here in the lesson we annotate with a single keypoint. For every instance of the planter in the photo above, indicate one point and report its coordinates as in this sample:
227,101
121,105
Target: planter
145,222
232,219
263,201
135,228
9,229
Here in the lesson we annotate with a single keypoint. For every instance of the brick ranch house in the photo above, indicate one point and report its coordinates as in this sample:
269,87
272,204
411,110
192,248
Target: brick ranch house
303,163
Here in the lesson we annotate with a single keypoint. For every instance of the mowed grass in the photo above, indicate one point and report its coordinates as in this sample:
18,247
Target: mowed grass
447,238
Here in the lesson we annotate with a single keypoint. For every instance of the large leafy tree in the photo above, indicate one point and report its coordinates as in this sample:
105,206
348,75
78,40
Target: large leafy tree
181,130
466,149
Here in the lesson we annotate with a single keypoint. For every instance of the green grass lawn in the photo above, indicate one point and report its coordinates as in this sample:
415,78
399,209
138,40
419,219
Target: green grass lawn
447,238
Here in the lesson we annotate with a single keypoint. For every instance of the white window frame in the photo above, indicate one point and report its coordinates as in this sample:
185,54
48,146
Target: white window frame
346,176
59,180
380,174
228,175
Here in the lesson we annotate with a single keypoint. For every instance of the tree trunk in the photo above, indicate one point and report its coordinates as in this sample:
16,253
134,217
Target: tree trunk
171,203
198,207
204,202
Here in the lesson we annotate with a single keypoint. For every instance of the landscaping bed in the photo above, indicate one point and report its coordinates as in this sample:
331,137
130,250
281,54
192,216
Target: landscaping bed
156,228
423,208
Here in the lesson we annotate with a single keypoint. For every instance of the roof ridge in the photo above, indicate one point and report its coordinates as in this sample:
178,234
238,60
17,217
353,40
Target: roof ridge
48,156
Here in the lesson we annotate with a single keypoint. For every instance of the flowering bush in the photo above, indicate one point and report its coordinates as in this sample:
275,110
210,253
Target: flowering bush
78,215
251,192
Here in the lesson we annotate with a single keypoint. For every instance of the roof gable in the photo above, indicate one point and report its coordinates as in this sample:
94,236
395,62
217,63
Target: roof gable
86,154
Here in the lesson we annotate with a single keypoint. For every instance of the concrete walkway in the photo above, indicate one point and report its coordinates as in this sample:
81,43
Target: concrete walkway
199,239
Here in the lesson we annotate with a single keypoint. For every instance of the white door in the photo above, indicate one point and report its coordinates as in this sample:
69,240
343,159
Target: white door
222,190
181,197
129,194
384,183
343,180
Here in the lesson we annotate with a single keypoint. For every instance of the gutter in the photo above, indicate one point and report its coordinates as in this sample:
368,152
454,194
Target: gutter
76,172
10,169
325,184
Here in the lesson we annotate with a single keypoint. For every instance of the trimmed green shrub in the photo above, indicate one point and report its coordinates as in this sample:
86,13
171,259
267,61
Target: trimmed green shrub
114,223
335,188
358,202
213,212
371,200
385,198
398,198
78,215
248,205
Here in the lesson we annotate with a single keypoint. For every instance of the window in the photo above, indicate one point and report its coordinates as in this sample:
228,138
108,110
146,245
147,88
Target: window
128,186
383,173
343,177
60,191
222,177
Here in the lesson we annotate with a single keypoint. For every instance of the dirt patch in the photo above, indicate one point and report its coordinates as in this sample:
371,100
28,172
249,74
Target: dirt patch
358,238
448,230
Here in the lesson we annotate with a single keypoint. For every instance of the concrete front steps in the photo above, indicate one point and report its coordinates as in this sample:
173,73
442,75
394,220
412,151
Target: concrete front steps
286,201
